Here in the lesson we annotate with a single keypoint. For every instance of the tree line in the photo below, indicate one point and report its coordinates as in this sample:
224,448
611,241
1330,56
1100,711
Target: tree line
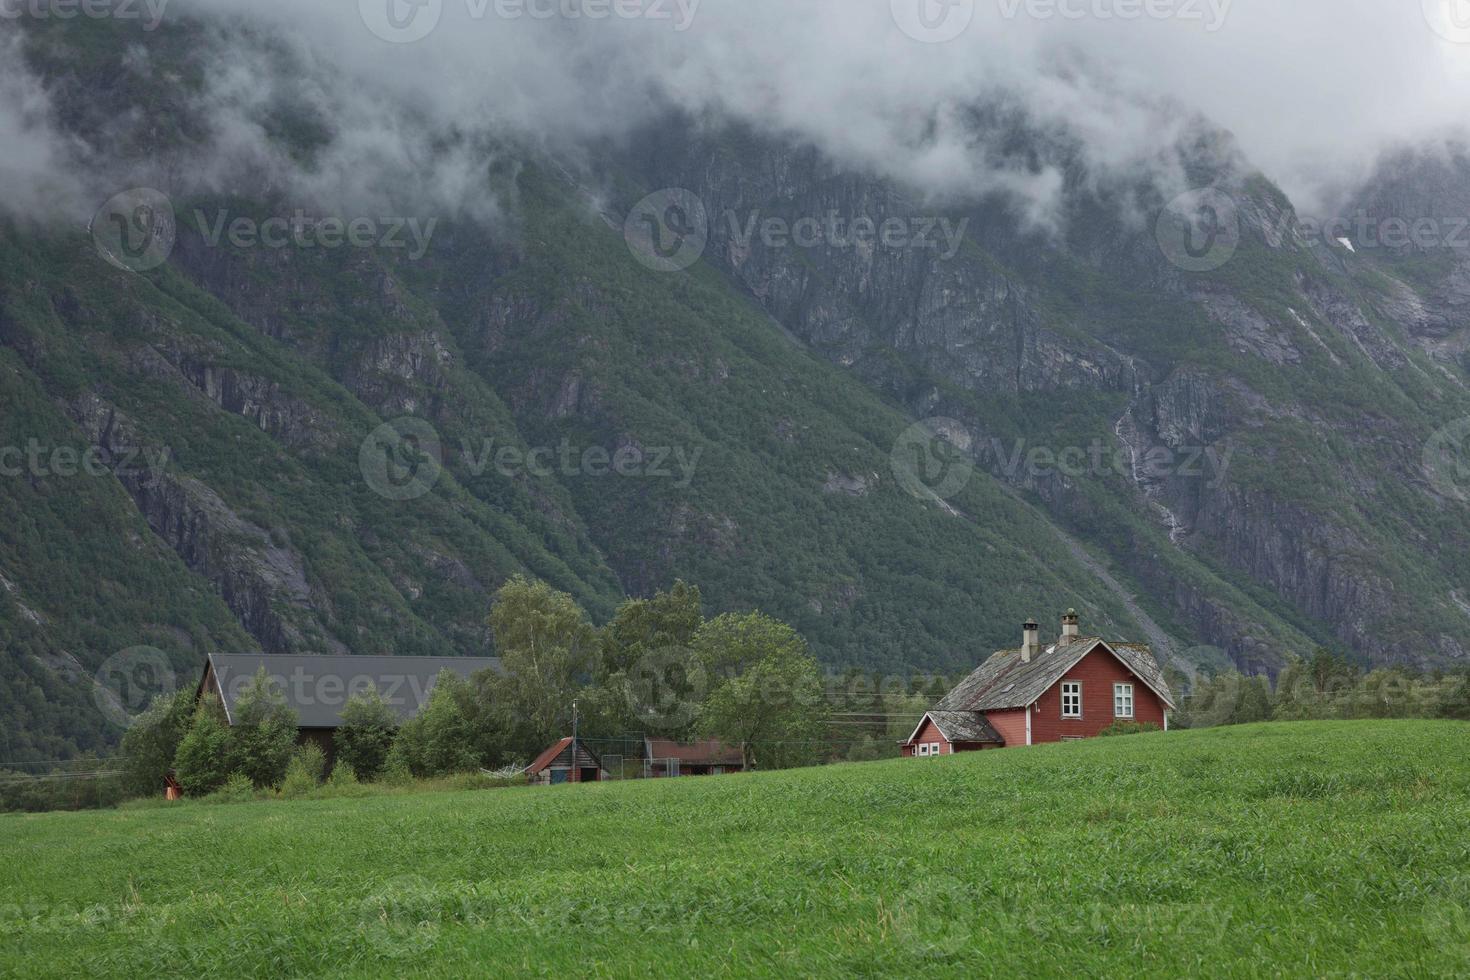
1325,687
657,668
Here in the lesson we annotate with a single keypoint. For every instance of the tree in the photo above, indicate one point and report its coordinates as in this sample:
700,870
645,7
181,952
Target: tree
547,648
642,627
150,744
440,739
205,757
264,731
733,643
366,734
770,701
1455,702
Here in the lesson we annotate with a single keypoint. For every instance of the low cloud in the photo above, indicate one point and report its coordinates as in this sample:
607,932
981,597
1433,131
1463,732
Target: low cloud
1313,90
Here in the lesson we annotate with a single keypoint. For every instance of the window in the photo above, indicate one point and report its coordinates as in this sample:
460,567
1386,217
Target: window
923,749
1123,700
1072,699
934,749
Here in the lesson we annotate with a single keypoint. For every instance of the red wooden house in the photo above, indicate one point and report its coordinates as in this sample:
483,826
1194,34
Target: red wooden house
1070,690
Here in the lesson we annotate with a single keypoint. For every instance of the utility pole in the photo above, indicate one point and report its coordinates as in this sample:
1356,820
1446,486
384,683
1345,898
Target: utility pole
576,770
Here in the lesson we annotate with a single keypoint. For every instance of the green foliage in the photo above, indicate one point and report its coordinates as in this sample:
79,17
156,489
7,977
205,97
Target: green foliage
342,776
62,789
548,648
1456,701
440,739
206,755
398,770
312,759
303,773
769,700
365,736
1326,687
733,643
644,627
237,789
150,744
264,731
1128,728
875,870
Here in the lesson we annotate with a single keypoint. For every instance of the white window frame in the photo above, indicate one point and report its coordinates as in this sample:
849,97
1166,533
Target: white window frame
935,748
1123,703
924,750
1072,690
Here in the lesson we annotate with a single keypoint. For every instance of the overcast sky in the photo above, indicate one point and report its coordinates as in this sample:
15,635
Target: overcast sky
1313,89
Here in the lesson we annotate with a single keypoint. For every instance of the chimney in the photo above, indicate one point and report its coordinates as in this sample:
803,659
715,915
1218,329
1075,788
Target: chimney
1069,625
1030,641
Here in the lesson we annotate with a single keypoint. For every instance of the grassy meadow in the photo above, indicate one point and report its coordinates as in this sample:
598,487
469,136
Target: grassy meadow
1328,849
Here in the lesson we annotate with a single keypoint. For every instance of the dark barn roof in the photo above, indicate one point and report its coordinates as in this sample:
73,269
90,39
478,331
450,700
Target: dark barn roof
708,753
318,686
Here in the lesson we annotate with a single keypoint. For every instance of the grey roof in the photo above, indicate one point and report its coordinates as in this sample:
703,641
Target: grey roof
1004,682
318,686
965,726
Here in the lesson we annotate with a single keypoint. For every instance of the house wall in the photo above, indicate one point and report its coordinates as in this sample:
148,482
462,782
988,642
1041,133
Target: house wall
564,761
927,735
1011,725
1098,672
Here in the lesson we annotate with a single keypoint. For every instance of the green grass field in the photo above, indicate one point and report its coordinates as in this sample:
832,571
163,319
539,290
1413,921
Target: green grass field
1303,849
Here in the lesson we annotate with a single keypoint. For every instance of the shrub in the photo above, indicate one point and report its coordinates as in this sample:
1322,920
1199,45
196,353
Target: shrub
299,779
205,757
397,771
264,732
1128,728
366,734
237,789
344,782
313,759
440,739
342,775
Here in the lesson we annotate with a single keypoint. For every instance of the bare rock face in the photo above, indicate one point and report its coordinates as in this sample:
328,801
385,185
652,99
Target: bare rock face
402,373
853,486
263,583
990,326
1249,332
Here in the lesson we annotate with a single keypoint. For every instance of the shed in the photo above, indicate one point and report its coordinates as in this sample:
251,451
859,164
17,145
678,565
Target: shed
568,761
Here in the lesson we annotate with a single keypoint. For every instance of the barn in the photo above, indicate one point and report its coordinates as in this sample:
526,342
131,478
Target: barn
1070,690
568,761
318,686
